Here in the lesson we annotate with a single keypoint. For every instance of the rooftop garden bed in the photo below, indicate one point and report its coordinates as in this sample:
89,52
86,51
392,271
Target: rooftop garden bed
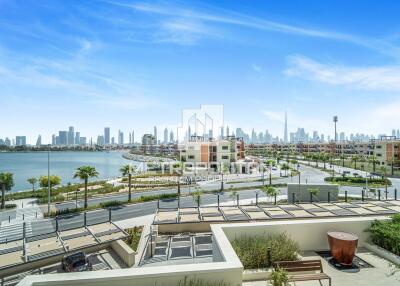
134,237
386,234
253,251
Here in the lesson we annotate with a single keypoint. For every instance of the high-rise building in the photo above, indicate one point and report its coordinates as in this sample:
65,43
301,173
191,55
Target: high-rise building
120,137
77,138
39,141
171,137
155,133
53,139
100,140
71,136
285,135
112,141
133,136
7,141
106,135
20,141
227,131
82,141
62,138
166,136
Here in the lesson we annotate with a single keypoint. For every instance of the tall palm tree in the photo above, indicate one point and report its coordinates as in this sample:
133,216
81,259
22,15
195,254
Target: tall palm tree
127,170
343,157
373,160
33,182
84,173
355,159
6,183
285,167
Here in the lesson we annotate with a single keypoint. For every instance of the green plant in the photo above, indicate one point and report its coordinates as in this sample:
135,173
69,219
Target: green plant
200,282
11,206
108,204
33,182
386,234
6,183
313,192
270,191
253,250
279,277
84,173
133,236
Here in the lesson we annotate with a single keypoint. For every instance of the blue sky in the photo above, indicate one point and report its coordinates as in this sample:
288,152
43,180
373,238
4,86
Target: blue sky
133,64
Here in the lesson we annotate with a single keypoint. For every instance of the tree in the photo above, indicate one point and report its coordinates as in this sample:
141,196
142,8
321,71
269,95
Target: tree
343,157
324,158
355,159
233,196
54,181
33,182
285,167
127,170
85,173
316,159
373,160
384,172
270,163
270,192
313,192
197,197
6,184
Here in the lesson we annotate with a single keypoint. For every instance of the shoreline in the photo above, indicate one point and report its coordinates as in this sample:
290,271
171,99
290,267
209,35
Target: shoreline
145,158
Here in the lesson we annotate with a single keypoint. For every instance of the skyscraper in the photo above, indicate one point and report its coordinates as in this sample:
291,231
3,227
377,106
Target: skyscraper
53,139
227,131
20,140
171,137
120,137
155,133
39,141
62,137
166,136
285,135
106,135
71,136
77,138
133,136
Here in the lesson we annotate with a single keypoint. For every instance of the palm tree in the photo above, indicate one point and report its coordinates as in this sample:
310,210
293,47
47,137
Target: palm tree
84,173
270,192
343,157
384,172
127,170
197,197
33,182
270,163
313,192
355,159
373,160
6,183
285,167
324,159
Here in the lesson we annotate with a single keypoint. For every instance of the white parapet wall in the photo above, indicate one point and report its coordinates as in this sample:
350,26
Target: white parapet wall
311,234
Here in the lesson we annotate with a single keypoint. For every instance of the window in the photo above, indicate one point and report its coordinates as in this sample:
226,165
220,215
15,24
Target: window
225,157
225,147
191,157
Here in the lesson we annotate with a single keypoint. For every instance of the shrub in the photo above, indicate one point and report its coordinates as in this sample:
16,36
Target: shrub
358,180
110,204
134,237
10,206
200,282
386,234
252,251
279,277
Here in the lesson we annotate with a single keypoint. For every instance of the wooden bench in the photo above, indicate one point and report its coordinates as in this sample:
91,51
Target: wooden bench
308,270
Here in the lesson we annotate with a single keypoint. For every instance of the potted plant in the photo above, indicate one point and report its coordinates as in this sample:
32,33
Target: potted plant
279,277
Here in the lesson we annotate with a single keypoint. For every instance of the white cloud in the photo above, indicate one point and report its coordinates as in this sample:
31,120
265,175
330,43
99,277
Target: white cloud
256,68
364,78
226,17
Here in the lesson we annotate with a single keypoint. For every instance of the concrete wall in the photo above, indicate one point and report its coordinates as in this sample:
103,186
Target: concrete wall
302,194
123,250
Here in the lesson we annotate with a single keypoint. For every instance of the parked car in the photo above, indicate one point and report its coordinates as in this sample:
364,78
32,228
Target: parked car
76,262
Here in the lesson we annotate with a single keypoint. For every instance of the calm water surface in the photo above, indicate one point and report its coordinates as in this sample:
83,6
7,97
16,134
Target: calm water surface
63,164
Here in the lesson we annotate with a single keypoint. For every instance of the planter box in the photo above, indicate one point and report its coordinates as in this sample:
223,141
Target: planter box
256,274
123,250
395,259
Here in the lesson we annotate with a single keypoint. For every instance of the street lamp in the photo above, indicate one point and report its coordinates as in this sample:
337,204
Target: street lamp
129,182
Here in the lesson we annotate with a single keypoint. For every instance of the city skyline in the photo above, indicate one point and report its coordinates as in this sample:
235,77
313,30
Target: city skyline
116,61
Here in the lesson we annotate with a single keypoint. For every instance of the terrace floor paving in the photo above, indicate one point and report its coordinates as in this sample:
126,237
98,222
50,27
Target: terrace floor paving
379,275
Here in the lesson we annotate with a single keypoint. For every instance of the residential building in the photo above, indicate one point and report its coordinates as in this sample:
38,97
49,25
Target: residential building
106,135
62,138
71,136
20,141
120,137
165,136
